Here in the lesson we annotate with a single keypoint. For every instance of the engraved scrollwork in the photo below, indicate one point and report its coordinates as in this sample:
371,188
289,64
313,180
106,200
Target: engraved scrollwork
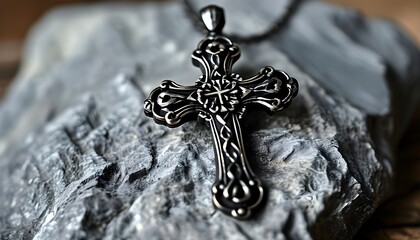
215,56
236,191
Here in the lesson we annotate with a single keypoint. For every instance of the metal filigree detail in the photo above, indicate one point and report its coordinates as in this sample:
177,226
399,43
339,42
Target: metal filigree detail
220,95
221,98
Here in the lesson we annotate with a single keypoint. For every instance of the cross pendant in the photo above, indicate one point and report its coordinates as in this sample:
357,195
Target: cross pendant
221,98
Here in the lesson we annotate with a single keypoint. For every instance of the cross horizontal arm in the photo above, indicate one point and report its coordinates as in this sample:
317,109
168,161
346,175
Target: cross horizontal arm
171,104
270,89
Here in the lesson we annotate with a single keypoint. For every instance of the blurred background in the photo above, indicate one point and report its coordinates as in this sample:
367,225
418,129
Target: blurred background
17,16
397,218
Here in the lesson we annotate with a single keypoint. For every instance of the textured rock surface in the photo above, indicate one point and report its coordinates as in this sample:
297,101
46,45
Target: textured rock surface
78,159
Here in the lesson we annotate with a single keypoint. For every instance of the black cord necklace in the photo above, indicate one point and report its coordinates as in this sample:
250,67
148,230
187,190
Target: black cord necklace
276,27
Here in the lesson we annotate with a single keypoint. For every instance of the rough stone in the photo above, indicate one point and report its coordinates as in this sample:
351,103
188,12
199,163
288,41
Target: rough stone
79,160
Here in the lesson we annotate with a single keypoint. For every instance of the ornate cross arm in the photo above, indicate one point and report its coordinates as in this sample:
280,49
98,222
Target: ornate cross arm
221,98
270,89
170,104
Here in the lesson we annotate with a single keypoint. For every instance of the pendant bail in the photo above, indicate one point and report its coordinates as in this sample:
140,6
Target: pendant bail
213,18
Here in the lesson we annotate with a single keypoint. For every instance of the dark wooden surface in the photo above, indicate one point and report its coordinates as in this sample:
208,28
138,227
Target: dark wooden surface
397,218
10,53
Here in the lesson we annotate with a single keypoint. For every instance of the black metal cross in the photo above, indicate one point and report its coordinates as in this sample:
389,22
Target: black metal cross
221,98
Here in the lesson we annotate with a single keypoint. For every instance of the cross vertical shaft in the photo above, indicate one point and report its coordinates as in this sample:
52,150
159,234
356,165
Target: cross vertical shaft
236,189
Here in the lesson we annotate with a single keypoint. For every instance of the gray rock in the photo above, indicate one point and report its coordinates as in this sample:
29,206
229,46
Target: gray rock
79,160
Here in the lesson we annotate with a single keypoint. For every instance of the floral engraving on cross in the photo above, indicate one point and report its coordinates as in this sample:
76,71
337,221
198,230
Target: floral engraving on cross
220,95
221,98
